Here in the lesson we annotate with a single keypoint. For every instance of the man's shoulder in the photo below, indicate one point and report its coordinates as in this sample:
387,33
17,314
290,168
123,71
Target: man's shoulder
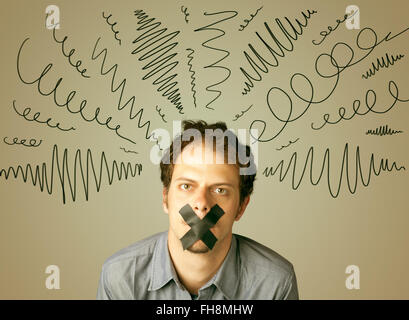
142,249
256,257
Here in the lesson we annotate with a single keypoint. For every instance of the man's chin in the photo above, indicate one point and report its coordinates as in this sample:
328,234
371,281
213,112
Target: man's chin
198,247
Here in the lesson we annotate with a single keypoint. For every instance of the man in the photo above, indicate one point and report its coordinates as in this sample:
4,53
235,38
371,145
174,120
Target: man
199,257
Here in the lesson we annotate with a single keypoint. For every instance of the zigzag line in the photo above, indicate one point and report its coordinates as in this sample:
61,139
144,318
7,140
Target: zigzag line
160,62
227,53
192,76
383,166
40,175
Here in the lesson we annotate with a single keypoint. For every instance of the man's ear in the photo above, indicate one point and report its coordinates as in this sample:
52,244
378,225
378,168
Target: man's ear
165,200
242,208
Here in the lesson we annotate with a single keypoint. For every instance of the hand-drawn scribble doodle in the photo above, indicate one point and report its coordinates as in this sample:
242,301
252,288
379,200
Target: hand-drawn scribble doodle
193,73
32,142
246,21
290,35
299,82
162,115
289,143
68,99
72,51
381,64
158,61
242,113
383,166
27,111
39,173
184,11
325,33
370,101
122,85
112,27
230,15
383,131
128,151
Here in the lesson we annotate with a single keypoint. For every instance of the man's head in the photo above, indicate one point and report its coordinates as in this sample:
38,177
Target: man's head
193,179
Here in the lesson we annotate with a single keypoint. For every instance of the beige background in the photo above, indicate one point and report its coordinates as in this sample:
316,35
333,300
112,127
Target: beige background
319,234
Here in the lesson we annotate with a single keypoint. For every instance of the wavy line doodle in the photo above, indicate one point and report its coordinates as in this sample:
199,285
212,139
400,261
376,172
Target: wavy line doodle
299,83
192,76
370,102
289,143
27,111
274,53
162,115
72,51
184,11
128,151
66,102
383,131
242,113
158,61
112,26
39,173
383,166
121,87
390,61
32,142
324,33
246,21
231,14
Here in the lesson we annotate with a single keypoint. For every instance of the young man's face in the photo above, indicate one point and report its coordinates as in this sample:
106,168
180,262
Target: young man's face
202,185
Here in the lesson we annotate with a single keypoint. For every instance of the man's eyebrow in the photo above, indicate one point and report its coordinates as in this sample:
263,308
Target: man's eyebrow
223,184
184,179
213,184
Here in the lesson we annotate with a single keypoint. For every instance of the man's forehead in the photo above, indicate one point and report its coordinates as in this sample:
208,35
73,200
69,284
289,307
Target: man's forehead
200,153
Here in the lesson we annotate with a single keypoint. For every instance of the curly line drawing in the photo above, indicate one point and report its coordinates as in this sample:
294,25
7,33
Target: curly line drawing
289,143
153,41
383,166
231,14
39,173
193,73
390,61
383,131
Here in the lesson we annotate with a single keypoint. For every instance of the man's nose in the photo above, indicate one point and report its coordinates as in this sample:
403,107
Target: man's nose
201,202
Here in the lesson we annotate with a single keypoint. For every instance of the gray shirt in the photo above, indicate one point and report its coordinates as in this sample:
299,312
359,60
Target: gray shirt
144,271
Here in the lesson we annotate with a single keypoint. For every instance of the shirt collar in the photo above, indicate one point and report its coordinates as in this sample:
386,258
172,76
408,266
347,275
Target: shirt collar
226,279
228,276
162,270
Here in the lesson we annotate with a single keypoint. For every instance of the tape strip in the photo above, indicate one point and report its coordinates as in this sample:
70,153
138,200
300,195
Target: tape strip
200,228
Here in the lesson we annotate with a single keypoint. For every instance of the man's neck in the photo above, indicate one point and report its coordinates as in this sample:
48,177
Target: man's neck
196,269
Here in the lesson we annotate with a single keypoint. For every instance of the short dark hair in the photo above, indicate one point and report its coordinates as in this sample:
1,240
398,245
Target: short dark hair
246,183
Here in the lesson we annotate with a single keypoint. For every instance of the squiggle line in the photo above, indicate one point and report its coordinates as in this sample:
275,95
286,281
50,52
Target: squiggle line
290,36
160,62
383,131
40,175
383,166
381,64
227,53
121,86
289,143
190,56
128,151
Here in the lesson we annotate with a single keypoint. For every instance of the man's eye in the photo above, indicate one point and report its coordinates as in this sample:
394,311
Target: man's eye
220,191
185,186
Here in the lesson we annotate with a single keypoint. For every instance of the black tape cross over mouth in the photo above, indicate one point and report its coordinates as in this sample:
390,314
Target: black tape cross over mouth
200,228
